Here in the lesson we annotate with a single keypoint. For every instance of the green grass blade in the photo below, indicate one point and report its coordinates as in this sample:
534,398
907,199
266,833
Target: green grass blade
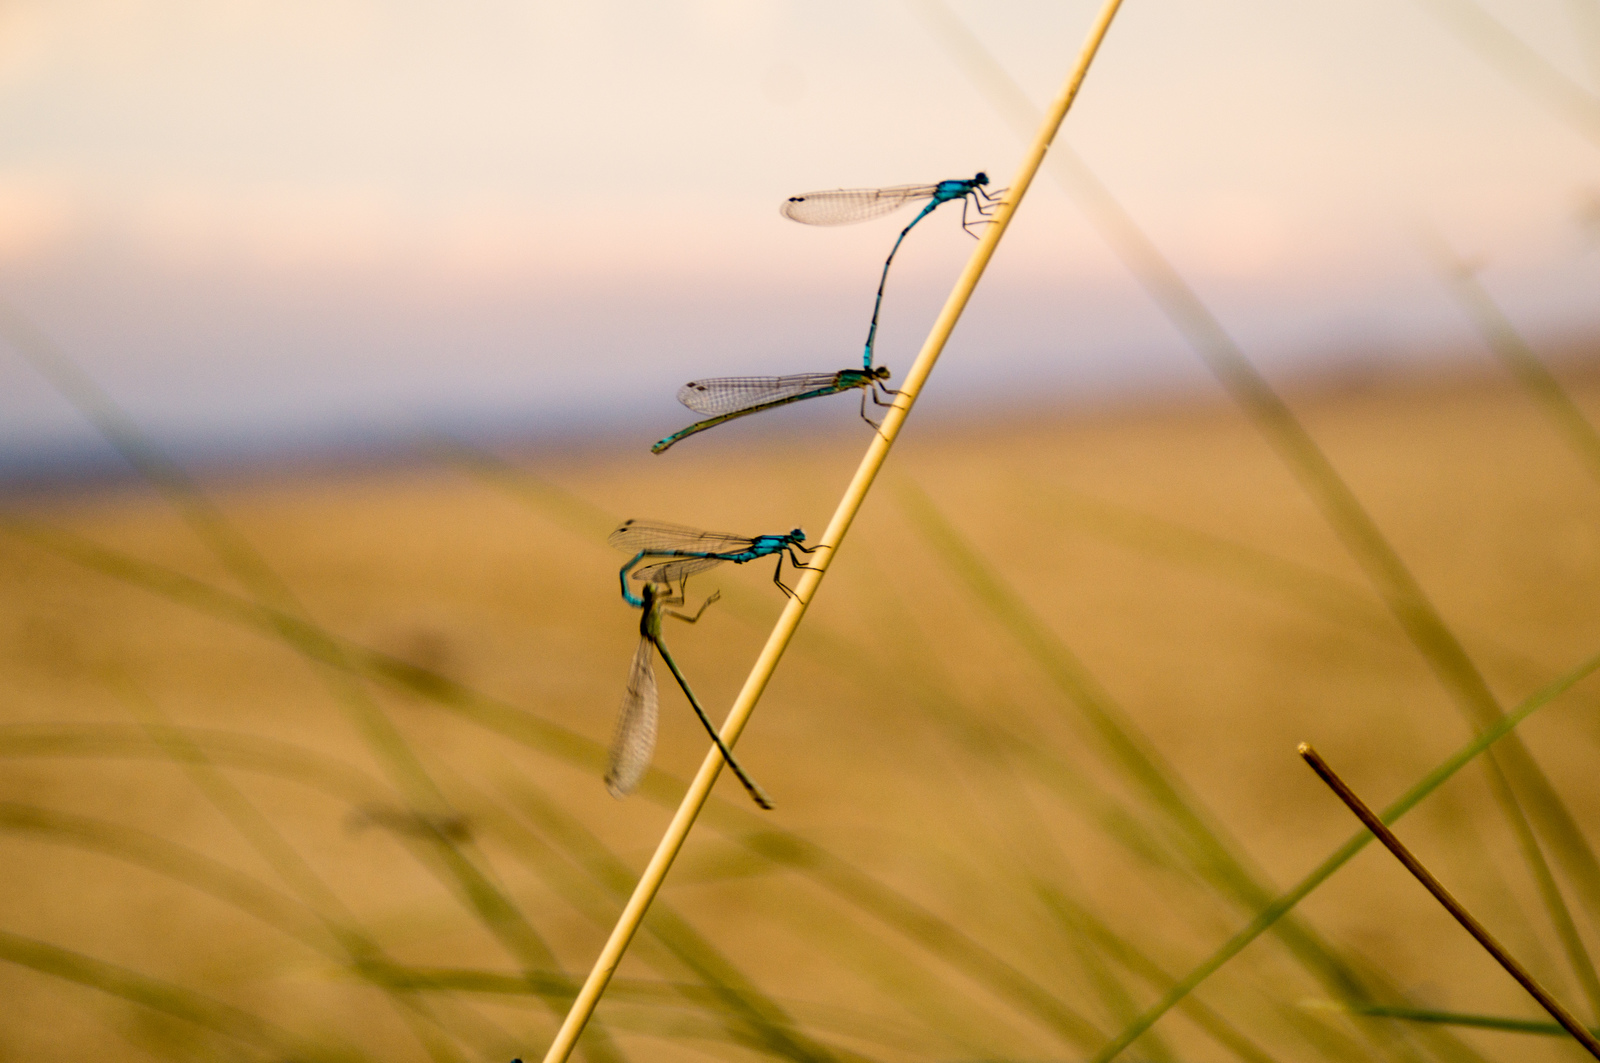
1292,583
759,836
1340,507
1456,1018
1140,964
640,992
752,1016
577,515
294,764
1286,903
1525,366
167,998
1518,356
1113,994
498,913
176,862
1520,64
359,947
1216,856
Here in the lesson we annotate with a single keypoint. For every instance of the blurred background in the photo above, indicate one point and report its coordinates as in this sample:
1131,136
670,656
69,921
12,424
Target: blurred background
272,227
332,340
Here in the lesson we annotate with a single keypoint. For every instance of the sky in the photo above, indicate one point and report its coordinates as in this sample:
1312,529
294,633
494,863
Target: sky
262,226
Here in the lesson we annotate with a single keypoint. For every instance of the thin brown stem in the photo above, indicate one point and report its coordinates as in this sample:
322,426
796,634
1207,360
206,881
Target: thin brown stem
1381,831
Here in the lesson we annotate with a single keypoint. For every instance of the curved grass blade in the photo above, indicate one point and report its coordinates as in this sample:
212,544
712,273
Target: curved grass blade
347,784
1521,64
1516,353
473,886
360,948
176,862
1541,1027
1191,827
1401,592
840,877
1286,902
167,998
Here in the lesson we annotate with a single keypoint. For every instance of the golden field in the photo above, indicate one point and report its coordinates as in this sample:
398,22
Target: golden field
315,773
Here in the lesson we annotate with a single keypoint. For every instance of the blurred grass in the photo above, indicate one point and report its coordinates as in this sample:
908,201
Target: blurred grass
1532,802
1523,65
247,565
1482,1022
1516,353
991,804
980,852
1285,904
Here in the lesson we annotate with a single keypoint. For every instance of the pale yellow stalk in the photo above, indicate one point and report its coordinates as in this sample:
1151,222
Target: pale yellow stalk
700,789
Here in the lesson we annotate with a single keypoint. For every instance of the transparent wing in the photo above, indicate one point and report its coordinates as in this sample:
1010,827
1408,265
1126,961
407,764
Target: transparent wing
635,740
728,394
846,206
669,572
636,536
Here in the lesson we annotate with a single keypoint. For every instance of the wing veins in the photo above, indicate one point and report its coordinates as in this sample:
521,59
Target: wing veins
635,536
635,740
846,206
720,395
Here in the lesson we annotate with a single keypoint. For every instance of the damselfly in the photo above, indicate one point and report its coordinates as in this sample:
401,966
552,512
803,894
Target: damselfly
725,398
846,206
689,550
635,740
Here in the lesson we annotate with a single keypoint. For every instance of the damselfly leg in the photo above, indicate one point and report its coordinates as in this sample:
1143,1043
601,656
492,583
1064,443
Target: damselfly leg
873,392
678,600
982,202
795,562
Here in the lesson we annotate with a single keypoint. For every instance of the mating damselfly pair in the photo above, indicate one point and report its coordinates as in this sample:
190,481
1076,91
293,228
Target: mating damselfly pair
664,556
674,553
722,399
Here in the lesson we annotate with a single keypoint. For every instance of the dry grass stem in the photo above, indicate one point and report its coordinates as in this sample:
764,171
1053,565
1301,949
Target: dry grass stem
1451,905
805,589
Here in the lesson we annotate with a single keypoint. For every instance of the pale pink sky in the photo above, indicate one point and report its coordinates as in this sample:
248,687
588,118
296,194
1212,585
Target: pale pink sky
255,220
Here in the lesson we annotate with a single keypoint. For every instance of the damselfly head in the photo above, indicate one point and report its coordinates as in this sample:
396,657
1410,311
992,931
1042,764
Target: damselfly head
981,179
881,372
797,535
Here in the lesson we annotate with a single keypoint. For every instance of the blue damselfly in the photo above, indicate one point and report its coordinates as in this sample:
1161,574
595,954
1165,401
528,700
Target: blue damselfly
679,552
725,398
846,206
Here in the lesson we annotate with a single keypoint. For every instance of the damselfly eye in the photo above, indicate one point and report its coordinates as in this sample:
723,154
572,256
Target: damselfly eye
797,534
981,179
882,372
